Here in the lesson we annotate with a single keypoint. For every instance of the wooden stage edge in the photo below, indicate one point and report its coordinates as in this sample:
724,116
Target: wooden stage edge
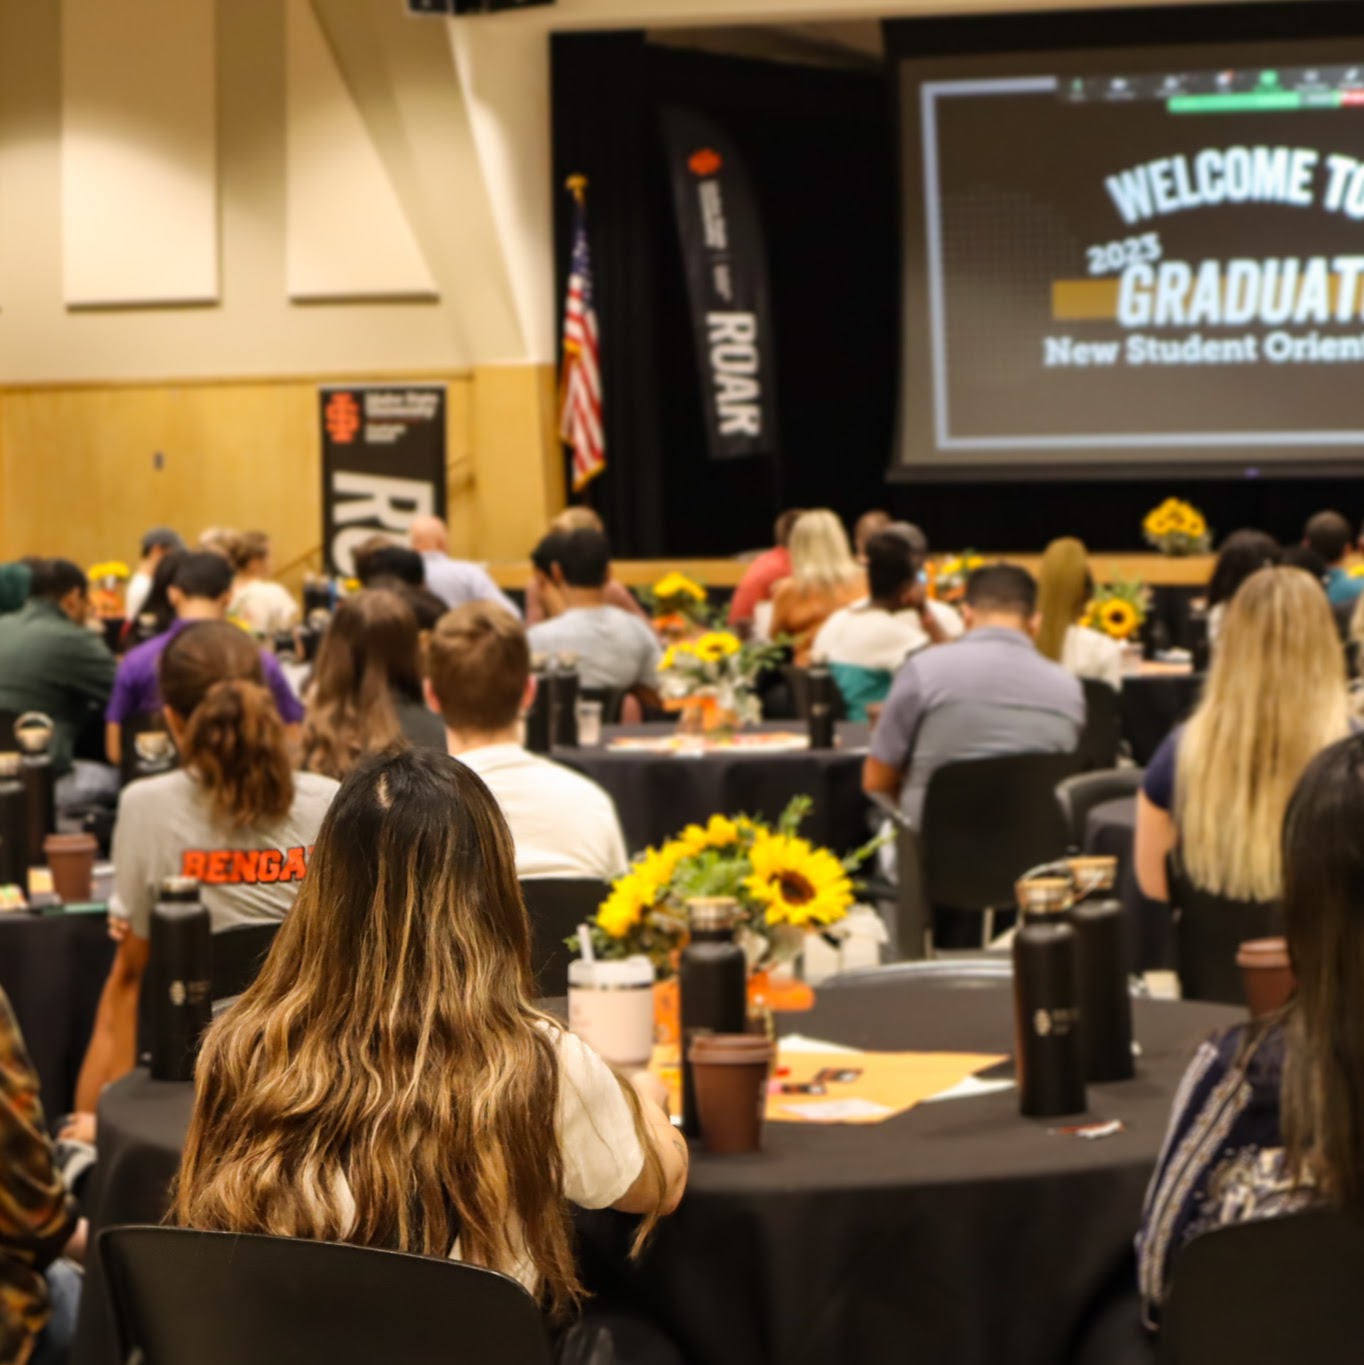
1192,571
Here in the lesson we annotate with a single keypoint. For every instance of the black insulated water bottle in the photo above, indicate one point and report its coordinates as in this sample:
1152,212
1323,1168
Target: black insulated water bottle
180,977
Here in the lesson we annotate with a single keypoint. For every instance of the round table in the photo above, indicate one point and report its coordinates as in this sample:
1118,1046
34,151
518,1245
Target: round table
1151,705
53,968
958,1232
658,794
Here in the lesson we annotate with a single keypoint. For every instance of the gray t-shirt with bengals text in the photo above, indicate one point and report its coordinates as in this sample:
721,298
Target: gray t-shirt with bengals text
166,829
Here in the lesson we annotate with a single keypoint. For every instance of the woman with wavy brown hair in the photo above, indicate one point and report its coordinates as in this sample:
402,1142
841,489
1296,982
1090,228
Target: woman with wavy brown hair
366,693
233,815
387,1080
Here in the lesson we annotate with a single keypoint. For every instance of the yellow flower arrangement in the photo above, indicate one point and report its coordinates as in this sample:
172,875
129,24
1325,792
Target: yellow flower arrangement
1176,528
1118,609
678,585
1118,618
947,577
784,886
114,569
796,883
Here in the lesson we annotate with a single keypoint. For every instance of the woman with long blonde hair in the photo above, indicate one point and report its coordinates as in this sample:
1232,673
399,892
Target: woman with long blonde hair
1064,588
824,577
387,1080
1219,786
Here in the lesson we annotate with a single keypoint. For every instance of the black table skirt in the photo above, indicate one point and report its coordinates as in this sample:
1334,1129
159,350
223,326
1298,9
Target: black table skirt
1152,706
958,1232
657,795
53,968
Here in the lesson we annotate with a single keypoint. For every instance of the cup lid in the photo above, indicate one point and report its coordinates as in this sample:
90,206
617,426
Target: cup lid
624,972
33,731
730,1048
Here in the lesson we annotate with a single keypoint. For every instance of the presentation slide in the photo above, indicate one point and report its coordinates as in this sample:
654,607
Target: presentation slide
1118,262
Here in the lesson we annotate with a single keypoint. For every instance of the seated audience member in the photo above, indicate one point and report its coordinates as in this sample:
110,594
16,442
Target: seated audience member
613,648
217,540
1242,554
39,1294
15,581
265,608
1332,537
1064,588
824,577
765,572
366,692
381,563
50,662
868,524
989,695
158,611
413,877
542,597
234,815
865,644
156,545
454,581
1218,786
562,824
1268,1117
199,590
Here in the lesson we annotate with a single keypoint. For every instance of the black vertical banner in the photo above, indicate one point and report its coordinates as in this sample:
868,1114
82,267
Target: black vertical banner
726,263
383,463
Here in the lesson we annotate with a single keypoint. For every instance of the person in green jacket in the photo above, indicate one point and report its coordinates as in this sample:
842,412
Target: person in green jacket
14,585
50,662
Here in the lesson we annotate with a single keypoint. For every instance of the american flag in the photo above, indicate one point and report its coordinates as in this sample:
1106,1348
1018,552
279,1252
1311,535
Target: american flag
580,416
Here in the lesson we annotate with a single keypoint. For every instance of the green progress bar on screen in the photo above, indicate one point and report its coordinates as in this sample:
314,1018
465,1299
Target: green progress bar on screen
1264,101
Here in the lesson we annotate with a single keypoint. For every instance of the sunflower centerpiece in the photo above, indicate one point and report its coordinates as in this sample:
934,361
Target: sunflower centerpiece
711,681
785,886
1177,528
108,584
680,606
947,577
1117,609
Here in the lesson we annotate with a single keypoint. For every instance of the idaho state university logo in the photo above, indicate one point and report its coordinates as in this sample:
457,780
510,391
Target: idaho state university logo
705,162
342,418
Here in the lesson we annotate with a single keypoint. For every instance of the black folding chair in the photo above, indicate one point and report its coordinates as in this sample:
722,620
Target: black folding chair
1208,931
1101,739
219,1298
1281,1291
557,906
238,954
1079,795
985,822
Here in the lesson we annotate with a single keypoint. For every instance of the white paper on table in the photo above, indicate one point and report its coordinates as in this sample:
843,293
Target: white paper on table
798,1042
835,1111
970,1088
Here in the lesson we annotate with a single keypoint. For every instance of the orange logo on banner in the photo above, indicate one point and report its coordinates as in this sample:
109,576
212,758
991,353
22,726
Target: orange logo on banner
343,418
705,162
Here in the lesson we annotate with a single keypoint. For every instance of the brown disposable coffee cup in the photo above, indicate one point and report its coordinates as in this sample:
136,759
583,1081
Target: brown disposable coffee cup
1267,973
71,857
729,1075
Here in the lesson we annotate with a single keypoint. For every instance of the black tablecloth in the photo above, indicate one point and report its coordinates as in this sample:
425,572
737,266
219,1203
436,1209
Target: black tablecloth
1110,829
53,968
958,1232
1152,706
658,794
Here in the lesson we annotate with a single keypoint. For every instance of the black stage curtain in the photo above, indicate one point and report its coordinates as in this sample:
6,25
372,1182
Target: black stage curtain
820,150
821,146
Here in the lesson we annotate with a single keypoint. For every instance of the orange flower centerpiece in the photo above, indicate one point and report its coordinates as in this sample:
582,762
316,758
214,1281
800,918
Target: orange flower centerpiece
680,606
108,582
711,680
785,887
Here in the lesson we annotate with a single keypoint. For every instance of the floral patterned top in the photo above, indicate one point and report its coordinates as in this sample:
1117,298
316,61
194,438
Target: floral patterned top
1223,1160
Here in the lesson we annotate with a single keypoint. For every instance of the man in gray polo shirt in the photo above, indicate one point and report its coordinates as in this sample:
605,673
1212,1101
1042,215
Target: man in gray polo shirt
988,694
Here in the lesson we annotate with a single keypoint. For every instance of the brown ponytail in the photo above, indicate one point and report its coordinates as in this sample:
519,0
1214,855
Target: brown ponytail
234,740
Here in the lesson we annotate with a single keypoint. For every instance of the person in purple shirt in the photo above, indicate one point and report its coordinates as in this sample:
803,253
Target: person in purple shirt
199,591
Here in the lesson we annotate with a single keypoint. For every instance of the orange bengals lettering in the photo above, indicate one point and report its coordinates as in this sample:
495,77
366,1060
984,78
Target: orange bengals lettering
238,867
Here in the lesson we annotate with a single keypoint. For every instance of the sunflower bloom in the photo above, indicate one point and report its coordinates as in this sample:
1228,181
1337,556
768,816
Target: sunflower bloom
1118,618
630,900
798,884
719,832
717,645
679,585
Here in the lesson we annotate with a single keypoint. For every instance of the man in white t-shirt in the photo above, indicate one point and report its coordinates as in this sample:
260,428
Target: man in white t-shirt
865,643
562,824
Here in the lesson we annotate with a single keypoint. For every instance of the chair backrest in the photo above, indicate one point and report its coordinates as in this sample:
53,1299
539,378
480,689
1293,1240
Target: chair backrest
612,701
219,1298
988,820
238,953
557,906
1079,795
1101,738
1208,931
1280,1291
